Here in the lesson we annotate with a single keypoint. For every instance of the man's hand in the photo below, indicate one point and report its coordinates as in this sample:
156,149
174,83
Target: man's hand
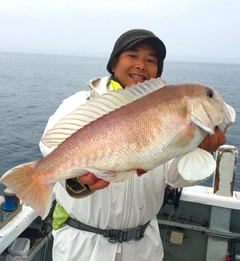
212,142
93,182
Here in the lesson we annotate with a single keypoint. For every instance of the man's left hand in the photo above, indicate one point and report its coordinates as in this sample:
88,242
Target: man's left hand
212,142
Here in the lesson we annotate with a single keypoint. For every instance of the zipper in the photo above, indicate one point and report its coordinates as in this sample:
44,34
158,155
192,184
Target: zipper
128,202
126,213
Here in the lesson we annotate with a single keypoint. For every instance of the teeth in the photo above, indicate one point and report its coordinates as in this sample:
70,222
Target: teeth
138,77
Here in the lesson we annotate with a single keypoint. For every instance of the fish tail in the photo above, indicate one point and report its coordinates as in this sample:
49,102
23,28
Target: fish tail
29,187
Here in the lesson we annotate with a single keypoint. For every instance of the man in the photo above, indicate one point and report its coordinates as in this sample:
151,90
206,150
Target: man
127,210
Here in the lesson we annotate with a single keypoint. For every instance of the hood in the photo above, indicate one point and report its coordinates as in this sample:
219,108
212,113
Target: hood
99,86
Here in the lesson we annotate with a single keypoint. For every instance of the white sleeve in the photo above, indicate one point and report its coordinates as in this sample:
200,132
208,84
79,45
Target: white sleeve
67,106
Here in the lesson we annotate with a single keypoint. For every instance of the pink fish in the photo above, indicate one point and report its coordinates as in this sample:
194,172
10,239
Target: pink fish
139,127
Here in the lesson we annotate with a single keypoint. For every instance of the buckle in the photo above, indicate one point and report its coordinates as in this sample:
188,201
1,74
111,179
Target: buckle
133,233
124,235
113,236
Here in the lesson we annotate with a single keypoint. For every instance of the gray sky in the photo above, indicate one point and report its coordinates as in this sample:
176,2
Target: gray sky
193,30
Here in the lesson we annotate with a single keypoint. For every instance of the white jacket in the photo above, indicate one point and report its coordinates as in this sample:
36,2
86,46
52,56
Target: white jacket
119,206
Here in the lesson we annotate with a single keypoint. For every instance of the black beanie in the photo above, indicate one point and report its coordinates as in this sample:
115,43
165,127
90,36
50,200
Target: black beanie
128,39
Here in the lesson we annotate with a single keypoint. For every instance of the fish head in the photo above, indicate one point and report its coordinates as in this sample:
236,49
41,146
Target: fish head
208,110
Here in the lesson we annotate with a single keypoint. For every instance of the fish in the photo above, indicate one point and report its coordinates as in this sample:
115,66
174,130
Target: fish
136,128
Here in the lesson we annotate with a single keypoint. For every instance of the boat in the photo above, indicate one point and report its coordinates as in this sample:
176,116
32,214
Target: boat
196,223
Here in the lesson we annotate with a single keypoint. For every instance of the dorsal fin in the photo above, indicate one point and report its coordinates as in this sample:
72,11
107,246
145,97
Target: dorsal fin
96,108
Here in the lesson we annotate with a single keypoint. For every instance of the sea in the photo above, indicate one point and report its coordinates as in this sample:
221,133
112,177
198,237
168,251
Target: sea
32,86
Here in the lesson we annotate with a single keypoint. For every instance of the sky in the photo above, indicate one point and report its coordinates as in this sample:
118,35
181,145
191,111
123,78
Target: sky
192,30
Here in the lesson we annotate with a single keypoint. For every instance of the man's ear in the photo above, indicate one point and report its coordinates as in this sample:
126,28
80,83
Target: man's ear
114,62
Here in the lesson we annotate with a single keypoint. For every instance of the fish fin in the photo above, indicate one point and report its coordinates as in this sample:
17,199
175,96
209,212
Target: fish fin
74,173
202,117
112,176
29,187
173,173
184,137
196,165
96,108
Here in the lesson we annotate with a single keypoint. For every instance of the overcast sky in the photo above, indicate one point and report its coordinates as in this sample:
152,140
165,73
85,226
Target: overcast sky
195,30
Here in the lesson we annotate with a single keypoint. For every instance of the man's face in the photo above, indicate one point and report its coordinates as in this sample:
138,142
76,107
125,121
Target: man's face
135,65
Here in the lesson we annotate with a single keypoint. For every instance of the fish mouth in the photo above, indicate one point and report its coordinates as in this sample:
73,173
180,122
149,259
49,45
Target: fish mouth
229,119
138,77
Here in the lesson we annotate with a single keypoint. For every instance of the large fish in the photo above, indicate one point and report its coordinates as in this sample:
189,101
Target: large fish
139,127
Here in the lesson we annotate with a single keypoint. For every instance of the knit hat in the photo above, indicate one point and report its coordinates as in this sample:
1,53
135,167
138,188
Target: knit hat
130,38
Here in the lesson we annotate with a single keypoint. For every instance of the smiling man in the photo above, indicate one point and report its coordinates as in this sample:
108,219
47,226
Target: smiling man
137,56
138,64
118,222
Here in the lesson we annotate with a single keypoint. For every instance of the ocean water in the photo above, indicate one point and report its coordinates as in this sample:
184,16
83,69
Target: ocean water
32,86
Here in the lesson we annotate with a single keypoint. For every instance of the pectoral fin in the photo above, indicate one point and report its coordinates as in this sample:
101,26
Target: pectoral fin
196,165
184,137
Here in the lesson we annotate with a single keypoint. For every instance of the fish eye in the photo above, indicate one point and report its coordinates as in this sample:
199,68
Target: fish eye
209,93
